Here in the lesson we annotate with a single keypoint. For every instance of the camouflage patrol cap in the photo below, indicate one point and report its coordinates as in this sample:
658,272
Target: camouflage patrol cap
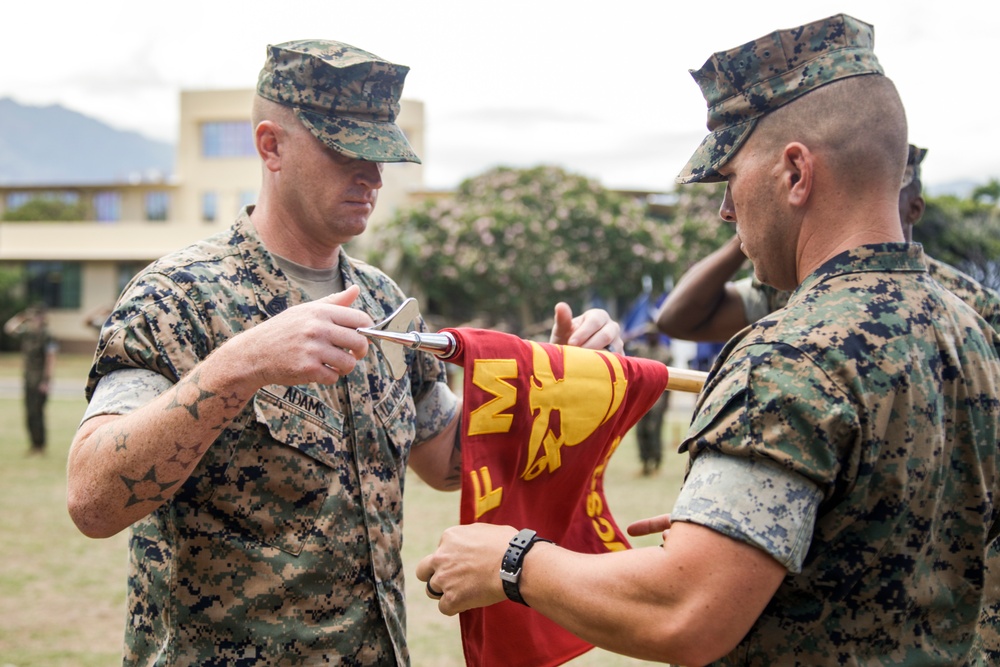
913,160
347,97
746,82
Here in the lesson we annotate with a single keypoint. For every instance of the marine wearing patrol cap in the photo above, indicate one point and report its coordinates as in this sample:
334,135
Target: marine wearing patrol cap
347,97
746,82
913,160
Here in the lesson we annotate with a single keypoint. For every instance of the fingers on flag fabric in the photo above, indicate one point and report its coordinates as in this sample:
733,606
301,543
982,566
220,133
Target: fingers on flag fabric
540,423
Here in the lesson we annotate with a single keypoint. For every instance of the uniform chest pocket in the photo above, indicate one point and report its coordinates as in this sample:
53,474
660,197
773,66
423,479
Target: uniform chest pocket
281,470
396,415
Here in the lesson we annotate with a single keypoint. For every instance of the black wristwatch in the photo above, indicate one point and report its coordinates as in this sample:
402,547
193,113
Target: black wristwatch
510,566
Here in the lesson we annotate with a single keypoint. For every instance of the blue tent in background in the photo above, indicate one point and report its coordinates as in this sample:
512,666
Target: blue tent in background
642,311
705,355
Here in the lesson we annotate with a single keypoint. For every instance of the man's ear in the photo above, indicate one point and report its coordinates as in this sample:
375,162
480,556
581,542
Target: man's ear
798,163
267,139
916,210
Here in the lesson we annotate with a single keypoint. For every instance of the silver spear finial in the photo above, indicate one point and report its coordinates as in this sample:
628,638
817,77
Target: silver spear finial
394,329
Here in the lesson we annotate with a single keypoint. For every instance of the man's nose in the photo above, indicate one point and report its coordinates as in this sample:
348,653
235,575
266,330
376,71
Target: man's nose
370,174
728,210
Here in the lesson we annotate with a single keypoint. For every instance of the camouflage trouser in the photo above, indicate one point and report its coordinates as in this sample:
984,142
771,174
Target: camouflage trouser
649,433
34,405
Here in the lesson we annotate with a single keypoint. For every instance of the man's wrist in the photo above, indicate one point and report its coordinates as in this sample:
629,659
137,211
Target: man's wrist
513,563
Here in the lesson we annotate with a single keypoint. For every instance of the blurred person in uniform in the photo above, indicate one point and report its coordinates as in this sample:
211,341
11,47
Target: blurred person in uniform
649,343
241,427
843,459
39,351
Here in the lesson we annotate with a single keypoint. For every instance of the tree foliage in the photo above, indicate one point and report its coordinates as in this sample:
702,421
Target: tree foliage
964,233
695,225
512,242
46,209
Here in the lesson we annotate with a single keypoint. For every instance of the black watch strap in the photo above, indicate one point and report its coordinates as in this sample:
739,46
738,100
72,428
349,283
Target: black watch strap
513,561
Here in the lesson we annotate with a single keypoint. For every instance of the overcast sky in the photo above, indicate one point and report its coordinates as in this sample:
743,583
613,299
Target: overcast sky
601,88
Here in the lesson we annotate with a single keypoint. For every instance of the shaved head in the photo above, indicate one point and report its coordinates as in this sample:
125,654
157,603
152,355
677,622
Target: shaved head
265,109
858,124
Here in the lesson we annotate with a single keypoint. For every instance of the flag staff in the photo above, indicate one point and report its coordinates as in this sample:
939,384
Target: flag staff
443,345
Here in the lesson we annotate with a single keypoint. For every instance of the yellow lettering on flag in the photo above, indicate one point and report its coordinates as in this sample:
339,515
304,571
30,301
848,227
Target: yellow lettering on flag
489,375
595,506
487,498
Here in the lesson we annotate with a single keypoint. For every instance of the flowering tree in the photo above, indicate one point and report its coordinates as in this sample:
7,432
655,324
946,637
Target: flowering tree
695,226
513,242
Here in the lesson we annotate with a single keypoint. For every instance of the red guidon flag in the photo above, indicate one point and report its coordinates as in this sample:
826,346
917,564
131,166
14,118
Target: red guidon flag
539,424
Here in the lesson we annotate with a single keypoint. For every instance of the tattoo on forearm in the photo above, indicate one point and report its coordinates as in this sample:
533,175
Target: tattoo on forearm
117,437
232,402
188,395
186,456
146,489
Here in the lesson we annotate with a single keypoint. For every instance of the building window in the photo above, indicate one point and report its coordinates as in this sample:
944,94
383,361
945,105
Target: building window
56,284
60,205
157,205
227,139
107,206
18,199
209,206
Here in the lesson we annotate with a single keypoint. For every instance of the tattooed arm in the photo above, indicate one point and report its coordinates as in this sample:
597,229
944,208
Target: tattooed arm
122,467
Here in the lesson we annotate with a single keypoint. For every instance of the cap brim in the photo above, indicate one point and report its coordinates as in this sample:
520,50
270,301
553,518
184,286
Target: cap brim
715,150
375,141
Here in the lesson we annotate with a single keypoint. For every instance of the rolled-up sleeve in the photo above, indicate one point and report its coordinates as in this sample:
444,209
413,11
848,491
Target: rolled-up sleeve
752,500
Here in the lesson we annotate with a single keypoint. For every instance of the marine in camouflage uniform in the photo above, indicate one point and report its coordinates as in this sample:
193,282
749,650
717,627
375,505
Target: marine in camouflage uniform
38,349
649,429
244,429
868,404
759,300
283,545
885,429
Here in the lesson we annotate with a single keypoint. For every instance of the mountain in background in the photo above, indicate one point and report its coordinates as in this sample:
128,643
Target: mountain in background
58,146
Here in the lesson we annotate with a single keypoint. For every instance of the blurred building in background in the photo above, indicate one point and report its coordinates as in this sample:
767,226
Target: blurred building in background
79,267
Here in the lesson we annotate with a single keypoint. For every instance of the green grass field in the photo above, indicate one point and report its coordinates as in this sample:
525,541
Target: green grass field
62,595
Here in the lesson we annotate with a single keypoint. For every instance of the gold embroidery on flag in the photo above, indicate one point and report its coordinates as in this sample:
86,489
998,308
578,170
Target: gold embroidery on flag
489,375
487,498
588,395
595,506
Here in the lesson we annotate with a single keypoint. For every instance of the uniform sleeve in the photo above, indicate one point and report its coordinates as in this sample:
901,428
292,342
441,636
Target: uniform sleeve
123,391
153,327
753,501
771,401
436,408
754,300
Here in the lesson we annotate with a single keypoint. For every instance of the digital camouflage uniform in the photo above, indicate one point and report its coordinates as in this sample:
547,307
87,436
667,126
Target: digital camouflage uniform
759,300
284,545
871,399
649,428
36,346
880,387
